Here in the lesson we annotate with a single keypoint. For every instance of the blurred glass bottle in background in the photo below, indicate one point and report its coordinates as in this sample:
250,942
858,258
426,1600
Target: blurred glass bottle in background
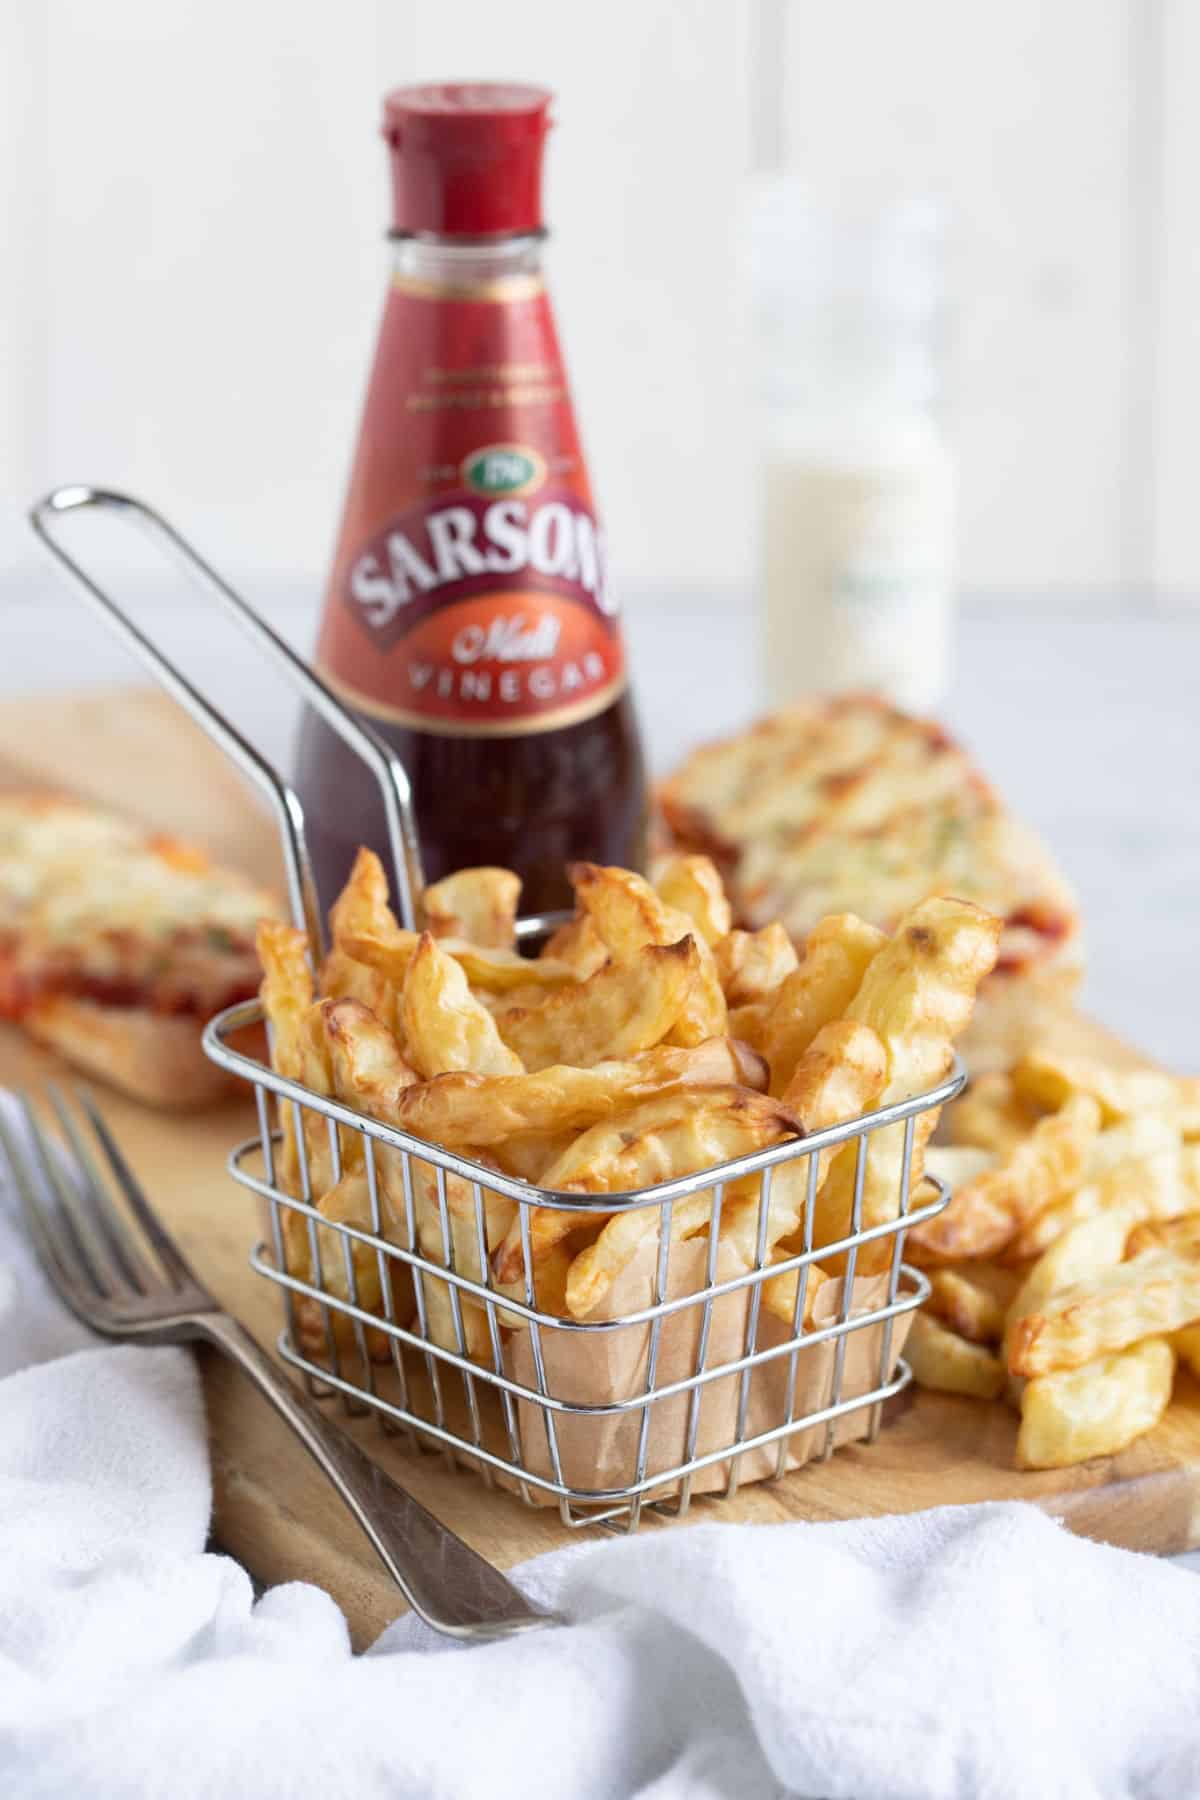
857,481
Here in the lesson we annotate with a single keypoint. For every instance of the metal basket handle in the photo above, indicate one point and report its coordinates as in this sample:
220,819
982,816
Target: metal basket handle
285,802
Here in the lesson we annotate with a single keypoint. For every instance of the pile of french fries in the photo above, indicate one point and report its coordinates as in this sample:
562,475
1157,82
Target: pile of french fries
648,1040
1065,1272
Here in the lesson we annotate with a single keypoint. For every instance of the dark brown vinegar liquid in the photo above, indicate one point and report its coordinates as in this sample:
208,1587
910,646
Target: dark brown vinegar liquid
533,803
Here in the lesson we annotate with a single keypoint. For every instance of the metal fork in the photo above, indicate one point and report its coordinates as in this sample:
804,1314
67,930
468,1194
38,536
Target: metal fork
92,1258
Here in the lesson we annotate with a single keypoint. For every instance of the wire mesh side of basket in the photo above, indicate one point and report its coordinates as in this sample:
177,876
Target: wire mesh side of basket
391,1302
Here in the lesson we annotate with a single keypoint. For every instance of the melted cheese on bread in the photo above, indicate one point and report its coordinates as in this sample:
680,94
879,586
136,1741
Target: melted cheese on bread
848,805
94,906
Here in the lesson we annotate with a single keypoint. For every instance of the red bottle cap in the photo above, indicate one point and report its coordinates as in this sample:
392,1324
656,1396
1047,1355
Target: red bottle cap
467,157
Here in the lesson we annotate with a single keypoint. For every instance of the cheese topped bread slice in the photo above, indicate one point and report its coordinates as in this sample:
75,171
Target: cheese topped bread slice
845,804
116,944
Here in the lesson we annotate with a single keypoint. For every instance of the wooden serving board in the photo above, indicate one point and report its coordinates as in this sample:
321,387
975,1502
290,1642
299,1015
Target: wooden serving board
272,1510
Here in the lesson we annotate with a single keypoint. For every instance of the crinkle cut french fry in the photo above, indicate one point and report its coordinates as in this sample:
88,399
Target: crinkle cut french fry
838,1078
491,971
345,978
692,885
1182,1234
346,1204
300,1053
941,1360
1048,1079
990,1116
1189,1173
1155,1293
966,1308
369,1070
917,994
577,945
748,1023
836,956
674,1134
472,1109
362,906
1146,1188
622,1009
628,914
478,905
781,1293
286,992
462,1227
956,1164
985,1214
445,1027
753,965
1071,1415
1186,1344
1079,1255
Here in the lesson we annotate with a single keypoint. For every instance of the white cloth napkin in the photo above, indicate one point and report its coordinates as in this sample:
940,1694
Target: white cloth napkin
974,1651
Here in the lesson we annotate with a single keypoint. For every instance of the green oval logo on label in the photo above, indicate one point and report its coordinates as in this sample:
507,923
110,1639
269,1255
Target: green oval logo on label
503,469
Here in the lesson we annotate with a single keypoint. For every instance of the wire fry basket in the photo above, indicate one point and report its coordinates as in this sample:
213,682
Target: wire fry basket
696,1373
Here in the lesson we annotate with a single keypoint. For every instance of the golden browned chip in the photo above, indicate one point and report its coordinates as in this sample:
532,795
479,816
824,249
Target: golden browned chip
956,1164
369,1071
781,1293
451,1236
1155,1293
1182,1234
917,994
445,1027
625,1007
299,1052
549,1289
692,886
529,1154
577,945
990,1116
1142,1186
348,1203
748,1023
492,971
286,992
472,1109
968,1307
362,906
837,1078
674,1134
628,914
1071,1415
342,977
1048,1079
836,956
1189,1174
1186,1345
940,1359
478,905
1080,1254
752,965
985,1214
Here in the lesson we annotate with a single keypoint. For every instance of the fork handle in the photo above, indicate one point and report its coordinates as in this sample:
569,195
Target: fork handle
446,1583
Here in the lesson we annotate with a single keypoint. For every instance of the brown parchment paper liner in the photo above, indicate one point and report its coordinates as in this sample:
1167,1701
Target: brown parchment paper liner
600,1451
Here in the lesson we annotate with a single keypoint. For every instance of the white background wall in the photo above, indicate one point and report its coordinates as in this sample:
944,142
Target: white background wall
191,262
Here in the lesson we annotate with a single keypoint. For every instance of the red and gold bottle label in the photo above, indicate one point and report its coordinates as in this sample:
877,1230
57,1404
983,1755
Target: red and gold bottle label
468,591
